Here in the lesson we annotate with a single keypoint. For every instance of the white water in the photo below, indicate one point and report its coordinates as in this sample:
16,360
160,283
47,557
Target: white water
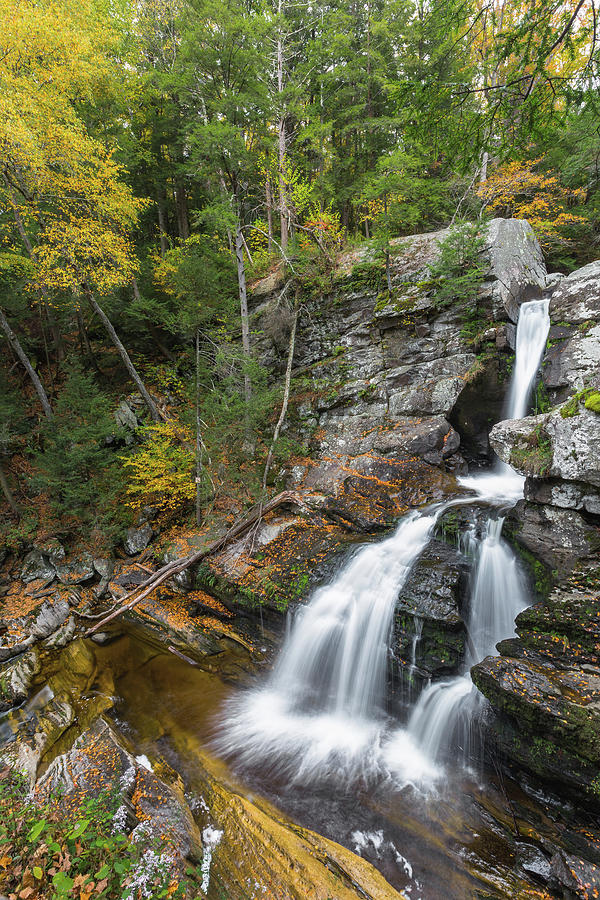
321,711
320,714
443,717
532,332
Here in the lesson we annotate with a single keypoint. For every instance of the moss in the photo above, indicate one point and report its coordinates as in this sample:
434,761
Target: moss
592,401
588,396
534,456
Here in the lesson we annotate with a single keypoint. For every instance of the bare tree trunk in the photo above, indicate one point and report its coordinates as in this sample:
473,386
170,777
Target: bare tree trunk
18,349
123,354
55,330
161,203
183,224
284,212
286,393
387,248
241,275
269,203
198,436
8,493
85,342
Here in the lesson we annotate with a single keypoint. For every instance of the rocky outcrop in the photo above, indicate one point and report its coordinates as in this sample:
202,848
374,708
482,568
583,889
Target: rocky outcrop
517,268
376,384
545,684
429,632
560,451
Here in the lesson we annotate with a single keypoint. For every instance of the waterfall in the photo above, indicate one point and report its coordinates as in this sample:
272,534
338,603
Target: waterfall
532,331
321,712
322,709
443,716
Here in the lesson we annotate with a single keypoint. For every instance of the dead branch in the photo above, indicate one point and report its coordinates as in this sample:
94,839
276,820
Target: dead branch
167,571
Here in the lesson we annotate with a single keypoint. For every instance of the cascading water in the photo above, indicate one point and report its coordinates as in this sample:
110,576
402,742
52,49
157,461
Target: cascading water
532,331
443,716
321,713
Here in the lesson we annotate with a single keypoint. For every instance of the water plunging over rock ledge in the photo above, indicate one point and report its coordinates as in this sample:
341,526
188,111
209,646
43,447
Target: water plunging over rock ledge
347,734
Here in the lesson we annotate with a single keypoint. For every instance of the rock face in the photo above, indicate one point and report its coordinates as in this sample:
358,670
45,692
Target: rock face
517,271
376,385
429,632
545,684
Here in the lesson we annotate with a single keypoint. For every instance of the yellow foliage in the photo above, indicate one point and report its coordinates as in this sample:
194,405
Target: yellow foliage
55,54
161,471
523,190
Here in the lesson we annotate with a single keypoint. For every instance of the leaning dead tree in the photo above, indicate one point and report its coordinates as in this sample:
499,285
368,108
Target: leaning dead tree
148,586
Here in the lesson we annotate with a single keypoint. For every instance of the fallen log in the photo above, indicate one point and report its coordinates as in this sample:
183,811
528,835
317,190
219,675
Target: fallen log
167,571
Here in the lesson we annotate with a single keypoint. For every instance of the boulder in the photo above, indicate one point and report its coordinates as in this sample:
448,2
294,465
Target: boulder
105,569
149,806
564,448
429,631
36,567
16,678
51,548
517,270
126,417
78,571
138,539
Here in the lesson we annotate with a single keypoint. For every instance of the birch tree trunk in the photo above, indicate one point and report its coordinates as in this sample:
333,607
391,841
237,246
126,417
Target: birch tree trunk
124,355
24,359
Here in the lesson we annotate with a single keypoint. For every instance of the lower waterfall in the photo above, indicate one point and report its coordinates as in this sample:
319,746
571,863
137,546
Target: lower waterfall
321,713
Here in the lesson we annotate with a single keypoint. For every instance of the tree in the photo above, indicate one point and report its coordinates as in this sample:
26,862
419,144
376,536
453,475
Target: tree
77,465
64,186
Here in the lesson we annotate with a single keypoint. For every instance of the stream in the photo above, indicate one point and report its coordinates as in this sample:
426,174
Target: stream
314,735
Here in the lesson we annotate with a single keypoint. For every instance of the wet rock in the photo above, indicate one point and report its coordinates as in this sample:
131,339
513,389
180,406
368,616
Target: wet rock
258,844
62,636
138,539
36,567
481,403
557,537
78,571
34,730
574,876
430,603
16,678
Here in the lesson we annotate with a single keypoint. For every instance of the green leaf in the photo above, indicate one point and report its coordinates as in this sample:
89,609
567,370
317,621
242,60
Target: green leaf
103,872
37,829
53,847
62,882
79,829
37,872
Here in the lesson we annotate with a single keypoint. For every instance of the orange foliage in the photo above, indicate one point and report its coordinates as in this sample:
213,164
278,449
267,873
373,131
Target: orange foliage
522,189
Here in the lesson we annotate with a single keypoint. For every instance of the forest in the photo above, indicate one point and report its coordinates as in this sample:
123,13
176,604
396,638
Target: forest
299,429
159,158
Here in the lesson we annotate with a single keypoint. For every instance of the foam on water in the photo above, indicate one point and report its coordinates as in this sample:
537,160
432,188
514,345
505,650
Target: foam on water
321,713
